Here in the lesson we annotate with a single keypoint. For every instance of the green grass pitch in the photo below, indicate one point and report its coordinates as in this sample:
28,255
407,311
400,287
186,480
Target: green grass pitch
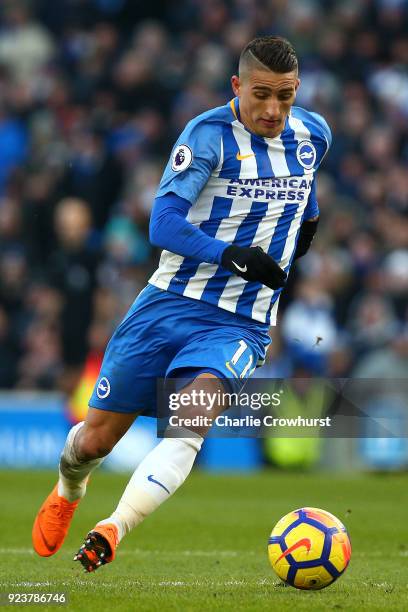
205,549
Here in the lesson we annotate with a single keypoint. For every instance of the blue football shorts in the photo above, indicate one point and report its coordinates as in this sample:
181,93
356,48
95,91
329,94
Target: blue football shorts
165,335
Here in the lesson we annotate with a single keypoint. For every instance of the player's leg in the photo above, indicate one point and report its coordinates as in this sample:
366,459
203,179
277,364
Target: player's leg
214,347
136,355
157,477
86,445
167,466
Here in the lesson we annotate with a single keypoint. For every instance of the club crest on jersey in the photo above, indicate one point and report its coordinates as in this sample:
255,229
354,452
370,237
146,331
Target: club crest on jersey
306,154
182,158
103,388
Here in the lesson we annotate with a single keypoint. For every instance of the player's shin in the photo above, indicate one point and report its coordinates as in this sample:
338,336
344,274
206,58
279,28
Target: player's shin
157,477
74,473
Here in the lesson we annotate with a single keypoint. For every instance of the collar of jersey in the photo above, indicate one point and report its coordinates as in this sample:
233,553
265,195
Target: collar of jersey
234,104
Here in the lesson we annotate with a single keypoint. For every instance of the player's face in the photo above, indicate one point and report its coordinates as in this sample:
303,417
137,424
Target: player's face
265,99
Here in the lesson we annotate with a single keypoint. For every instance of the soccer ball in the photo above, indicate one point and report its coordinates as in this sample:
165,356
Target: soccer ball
309,548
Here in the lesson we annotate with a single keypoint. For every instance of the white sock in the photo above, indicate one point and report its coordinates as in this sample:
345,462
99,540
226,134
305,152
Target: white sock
157,477
73,473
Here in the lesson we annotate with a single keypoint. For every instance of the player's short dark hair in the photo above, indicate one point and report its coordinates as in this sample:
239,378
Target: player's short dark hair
274,52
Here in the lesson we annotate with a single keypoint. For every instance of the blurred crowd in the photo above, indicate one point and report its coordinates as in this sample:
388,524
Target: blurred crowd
93,93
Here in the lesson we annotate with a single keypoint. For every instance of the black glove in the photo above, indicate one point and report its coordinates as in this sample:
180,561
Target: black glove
306,234
252,264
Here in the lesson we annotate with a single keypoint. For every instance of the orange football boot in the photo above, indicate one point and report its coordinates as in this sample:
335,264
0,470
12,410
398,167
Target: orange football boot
99,547
52,523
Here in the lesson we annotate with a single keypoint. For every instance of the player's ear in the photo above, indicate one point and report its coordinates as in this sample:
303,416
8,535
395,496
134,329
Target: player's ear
297,84
235,84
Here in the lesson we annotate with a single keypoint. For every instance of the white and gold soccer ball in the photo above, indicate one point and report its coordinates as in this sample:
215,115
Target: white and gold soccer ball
309,548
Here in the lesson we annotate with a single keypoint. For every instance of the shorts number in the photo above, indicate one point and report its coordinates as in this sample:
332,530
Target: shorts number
236,357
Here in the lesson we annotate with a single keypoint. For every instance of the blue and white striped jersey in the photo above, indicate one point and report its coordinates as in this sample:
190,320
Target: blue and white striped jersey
245,190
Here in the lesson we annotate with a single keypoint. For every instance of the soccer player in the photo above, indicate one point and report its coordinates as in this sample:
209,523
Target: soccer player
235,207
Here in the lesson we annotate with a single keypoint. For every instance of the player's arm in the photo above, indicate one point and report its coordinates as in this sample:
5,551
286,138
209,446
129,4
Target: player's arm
195,155
170,230
309,225
311,216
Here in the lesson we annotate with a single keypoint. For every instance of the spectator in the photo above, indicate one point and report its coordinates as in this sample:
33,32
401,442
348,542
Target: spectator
13,145
25,46
72,270
388,362
8,353
309,329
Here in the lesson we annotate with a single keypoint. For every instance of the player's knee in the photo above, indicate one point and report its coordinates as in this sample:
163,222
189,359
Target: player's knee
94,443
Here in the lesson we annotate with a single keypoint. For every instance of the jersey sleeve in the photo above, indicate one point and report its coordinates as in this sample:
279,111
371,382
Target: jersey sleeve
325,130
195,155
312,207
170,230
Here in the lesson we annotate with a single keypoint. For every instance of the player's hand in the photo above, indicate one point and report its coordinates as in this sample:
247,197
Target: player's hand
252,264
